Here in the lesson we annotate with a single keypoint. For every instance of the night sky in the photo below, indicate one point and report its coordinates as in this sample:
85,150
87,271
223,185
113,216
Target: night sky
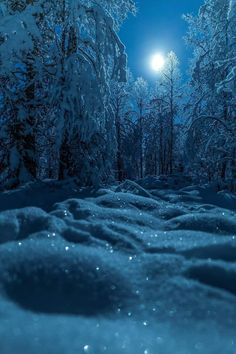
158,27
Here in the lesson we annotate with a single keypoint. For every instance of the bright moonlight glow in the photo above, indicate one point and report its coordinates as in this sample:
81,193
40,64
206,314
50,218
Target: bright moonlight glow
157,62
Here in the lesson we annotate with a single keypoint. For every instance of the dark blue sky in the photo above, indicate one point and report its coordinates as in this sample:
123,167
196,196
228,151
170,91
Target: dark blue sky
158,27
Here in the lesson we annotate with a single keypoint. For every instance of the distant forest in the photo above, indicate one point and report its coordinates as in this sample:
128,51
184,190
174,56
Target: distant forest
71,108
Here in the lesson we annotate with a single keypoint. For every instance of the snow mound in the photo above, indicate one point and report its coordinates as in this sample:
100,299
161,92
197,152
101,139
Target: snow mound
61,279
20,223
225,252
208,222
143,268
41,194
215,275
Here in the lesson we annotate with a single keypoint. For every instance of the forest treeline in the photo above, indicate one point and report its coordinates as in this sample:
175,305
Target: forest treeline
70,108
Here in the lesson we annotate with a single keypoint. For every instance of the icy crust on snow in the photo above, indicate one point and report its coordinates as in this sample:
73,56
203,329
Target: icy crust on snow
139,268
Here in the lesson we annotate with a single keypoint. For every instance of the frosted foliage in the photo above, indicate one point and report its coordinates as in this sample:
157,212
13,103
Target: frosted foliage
212,100
229,83
117,10
141,89
63,56
15,37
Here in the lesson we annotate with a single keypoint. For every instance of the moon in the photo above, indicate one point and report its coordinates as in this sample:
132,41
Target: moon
157,62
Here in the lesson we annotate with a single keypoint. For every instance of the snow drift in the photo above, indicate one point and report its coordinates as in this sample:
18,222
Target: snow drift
142,268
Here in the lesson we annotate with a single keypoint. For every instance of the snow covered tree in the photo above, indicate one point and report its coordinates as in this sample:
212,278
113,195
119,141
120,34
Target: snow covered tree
171,94
64,54
157,137
120,98
162,122
19,37
210,143
127,100
141,102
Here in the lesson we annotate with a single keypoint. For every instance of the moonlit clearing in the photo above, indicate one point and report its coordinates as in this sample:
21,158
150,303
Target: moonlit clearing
157,62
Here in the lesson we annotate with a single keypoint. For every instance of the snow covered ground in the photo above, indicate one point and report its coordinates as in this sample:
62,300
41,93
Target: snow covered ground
140,268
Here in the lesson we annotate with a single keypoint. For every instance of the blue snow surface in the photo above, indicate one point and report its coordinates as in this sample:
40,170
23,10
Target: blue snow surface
146,267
